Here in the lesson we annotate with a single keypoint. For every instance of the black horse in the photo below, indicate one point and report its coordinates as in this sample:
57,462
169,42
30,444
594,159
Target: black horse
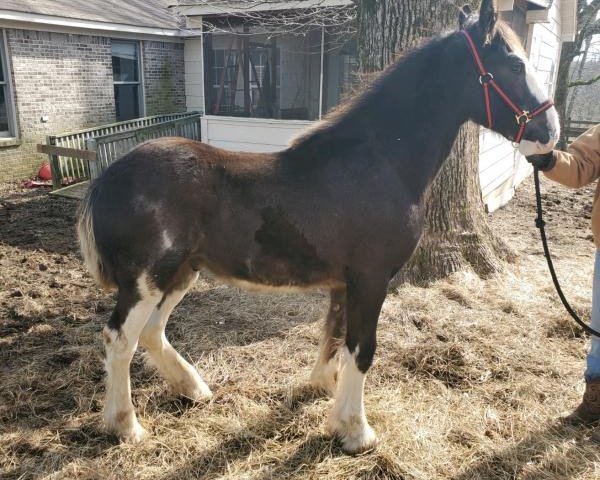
341,208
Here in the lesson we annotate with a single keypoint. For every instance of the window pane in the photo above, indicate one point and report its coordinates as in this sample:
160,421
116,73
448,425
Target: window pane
124,62
1,62
280,80
341,66
127,102
3,110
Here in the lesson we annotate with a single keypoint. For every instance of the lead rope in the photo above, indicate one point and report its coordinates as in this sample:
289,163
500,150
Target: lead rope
540,224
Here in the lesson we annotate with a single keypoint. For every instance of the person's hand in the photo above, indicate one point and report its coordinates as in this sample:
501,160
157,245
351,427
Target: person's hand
543,162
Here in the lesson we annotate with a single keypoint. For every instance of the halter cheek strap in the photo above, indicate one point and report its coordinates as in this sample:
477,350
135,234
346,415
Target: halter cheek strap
522,117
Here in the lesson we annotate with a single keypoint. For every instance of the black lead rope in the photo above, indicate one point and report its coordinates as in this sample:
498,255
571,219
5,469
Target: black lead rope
539,223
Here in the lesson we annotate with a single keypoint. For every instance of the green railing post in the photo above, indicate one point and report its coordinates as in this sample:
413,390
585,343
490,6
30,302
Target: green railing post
94,165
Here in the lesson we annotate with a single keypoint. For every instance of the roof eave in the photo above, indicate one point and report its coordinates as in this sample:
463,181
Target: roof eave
55,21
233,8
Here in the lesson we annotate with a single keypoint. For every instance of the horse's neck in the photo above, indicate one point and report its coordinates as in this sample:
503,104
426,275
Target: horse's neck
408,119
419,119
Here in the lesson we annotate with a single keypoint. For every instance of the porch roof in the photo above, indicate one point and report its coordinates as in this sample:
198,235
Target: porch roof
228,7
139,13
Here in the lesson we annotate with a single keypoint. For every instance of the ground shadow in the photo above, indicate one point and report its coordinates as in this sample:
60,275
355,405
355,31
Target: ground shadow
238,446
525,458
85,442
35,220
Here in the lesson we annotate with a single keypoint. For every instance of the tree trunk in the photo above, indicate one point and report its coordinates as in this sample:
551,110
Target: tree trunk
456,233
567,53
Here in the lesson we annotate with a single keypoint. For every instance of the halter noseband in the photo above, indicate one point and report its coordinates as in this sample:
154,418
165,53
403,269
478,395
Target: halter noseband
522,117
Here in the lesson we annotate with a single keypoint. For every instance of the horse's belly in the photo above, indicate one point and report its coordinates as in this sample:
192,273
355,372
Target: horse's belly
261,272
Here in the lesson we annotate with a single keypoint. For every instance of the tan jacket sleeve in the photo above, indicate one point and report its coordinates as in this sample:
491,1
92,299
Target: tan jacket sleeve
580,164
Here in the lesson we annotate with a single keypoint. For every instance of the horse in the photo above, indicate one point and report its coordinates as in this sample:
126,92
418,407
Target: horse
342,208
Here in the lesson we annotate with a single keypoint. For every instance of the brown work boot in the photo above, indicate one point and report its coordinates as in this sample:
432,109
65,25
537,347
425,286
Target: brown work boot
589,410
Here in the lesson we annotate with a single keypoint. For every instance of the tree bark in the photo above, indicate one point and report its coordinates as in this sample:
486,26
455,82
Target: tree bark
456,233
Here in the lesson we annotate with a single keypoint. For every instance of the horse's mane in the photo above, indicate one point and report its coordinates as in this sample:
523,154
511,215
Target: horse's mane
353,103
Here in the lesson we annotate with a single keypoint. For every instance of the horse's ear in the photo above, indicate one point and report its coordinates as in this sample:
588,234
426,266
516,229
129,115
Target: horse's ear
488,14
463,16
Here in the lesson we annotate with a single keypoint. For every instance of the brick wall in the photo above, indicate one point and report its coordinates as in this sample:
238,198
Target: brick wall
68,78
164,77
64,76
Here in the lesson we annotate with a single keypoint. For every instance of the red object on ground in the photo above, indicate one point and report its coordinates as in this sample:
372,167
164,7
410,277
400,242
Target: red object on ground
45,173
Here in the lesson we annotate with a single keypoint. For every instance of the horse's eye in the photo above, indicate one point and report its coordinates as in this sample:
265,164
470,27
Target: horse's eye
518,67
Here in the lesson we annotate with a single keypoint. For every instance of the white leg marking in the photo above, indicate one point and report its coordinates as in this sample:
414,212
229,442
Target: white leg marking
120,346
324,373
183,377
347,419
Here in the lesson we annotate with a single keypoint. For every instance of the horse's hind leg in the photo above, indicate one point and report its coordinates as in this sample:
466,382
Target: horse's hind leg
181,376
134,306
324,373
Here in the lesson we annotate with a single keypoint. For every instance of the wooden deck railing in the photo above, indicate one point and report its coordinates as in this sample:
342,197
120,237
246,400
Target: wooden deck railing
70,165
112,146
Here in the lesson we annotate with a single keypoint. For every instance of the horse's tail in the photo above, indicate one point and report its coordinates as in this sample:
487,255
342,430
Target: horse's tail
87,241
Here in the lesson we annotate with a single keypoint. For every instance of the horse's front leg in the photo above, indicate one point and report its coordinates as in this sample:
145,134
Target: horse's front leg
325,371
364,297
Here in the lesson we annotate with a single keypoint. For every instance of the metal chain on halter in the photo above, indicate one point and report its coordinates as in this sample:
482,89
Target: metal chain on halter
540,224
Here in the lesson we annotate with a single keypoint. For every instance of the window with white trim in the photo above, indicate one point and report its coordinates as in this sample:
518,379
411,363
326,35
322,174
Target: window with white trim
127,79
7,128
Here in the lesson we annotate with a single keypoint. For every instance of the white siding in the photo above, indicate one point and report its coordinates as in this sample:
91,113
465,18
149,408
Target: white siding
501,167
250,134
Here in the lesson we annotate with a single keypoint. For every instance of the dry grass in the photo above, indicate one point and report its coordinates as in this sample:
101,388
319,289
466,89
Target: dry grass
469,380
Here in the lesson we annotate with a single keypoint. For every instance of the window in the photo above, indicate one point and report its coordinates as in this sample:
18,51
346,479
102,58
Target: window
126,79
7,127
292,77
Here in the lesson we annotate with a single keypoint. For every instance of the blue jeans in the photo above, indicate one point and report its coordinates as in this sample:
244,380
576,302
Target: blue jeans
593,358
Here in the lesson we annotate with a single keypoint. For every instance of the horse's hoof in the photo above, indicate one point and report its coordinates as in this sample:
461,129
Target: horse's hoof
135,434
363,442
356,436
198,392
199,395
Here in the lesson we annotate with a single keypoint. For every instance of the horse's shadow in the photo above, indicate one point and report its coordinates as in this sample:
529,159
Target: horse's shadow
515,461
238,446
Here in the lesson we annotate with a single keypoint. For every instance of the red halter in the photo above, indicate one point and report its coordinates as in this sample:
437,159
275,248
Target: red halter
522,117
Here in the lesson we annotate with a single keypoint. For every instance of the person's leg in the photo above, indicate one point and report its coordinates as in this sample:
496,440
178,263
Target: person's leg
592,371
588,410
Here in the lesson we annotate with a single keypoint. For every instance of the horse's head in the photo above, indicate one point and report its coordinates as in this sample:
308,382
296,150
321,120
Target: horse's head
518,105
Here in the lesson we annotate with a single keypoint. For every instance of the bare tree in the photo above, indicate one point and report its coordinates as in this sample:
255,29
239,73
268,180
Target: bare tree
275,18
588,25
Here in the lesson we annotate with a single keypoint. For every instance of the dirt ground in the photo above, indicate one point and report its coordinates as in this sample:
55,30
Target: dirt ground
470,377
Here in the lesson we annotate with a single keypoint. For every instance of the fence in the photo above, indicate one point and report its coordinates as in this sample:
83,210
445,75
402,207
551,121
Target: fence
574,128
71,155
